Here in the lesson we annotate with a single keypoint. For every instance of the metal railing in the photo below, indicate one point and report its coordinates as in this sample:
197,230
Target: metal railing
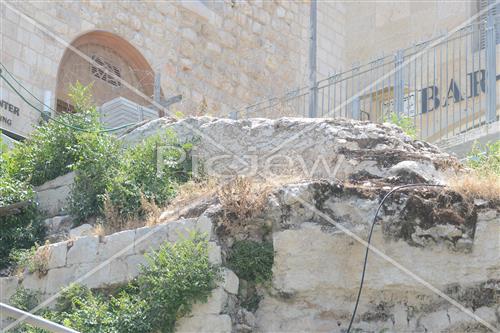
445,85
36,321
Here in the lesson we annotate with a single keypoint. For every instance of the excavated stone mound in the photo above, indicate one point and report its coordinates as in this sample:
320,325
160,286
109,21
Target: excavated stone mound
430,243
425,240
311,148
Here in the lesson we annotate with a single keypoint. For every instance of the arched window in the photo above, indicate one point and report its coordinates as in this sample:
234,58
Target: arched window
116,68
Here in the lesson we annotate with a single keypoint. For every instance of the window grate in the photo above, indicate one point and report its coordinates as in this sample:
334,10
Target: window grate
105,71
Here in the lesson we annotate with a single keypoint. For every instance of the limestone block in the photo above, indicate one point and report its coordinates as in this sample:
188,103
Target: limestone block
58,224
488,215
106,273
57,255
181,228
150,238
487,314
82,230
214,305
134,263
84,250
53,195
8,287
119,244
210,323
214,253
204,225
327,142
33,282
230,282
56,279
417,171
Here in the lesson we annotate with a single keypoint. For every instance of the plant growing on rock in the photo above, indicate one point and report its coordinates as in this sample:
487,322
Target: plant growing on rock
177,275
252,261
242,198
150,172
22,227
483,180
54,147
404,122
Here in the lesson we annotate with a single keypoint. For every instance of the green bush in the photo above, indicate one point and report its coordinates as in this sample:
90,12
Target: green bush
177,275
24,299
404,122
76,142
252,261
97,165
485,159
23,229
54,147
141,173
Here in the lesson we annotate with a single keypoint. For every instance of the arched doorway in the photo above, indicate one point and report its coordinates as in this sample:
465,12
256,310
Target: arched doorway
112,64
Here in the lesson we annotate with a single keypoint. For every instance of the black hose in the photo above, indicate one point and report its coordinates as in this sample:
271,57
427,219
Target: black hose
370,238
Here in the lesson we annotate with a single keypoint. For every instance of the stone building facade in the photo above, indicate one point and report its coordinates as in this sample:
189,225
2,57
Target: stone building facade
219,55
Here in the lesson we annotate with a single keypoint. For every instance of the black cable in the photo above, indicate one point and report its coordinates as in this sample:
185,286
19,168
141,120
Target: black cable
369,240
105,130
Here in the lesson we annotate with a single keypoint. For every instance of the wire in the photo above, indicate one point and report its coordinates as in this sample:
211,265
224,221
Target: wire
106,130
27,90
369,240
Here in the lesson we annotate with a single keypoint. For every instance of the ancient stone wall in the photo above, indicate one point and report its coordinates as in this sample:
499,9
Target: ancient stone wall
106,261
317,267
434,265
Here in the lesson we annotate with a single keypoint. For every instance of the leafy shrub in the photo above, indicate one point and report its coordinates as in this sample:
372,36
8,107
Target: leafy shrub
483,181
177,276
152,169
103,169
24,299
97,165
404,122
485,159
252,261
54,147
22,229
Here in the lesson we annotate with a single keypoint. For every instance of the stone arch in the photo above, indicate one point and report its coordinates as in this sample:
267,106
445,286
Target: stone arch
124,63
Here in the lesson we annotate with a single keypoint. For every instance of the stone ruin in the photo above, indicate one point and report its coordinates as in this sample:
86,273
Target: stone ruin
430,243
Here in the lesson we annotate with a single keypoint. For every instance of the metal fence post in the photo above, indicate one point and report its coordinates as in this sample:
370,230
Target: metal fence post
398,83
313,94
491,66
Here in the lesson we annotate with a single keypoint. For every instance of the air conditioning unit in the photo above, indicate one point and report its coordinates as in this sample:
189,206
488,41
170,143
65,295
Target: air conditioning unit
121,111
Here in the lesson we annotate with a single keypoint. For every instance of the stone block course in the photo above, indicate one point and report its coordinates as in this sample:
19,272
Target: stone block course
209,323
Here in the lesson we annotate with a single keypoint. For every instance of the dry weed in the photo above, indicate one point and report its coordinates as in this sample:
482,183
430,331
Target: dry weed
41,258
472,185
115,222
99,231
151,211
242,198
189,196
194,189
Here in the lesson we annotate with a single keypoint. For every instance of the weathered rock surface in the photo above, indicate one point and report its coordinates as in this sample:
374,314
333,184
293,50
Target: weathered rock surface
318,262
58,227
82,230
309,147
428,242
53,195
